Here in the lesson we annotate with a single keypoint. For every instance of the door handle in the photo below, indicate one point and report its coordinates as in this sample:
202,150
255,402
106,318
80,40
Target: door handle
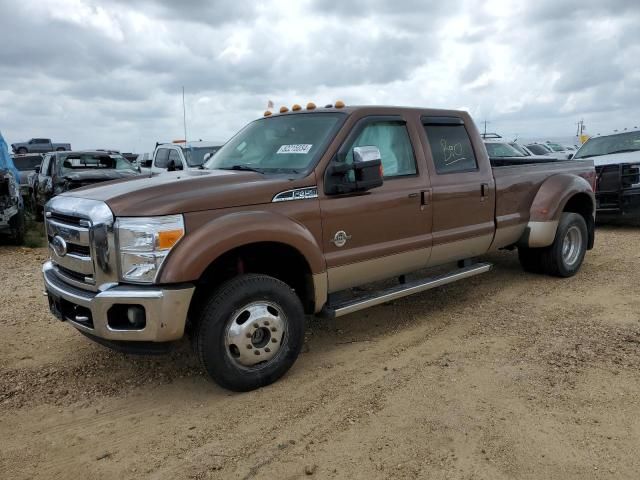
425,198
484,191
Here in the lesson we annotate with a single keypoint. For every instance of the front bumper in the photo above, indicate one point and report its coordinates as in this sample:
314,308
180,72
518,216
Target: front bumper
99,314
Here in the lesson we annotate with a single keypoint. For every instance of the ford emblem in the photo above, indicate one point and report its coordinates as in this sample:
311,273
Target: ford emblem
59,246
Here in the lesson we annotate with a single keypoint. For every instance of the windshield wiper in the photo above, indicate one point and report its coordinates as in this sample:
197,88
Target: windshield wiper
245,168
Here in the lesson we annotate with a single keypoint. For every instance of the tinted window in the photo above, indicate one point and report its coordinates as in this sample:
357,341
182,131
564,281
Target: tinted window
195,156
41,140
538,149
27,163
392,139
451,148
162,158
93,161
622,142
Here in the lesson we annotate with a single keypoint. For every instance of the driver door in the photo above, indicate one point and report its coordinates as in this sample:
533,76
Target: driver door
386,231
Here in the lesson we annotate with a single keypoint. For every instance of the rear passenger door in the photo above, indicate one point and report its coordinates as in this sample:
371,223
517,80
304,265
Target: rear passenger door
385,231
463,191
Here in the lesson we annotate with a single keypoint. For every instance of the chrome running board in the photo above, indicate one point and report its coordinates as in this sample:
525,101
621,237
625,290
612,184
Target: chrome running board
403,290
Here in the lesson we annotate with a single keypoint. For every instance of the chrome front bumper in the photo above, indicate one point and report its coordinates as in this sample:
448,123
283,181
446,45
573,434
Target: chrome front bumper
165,308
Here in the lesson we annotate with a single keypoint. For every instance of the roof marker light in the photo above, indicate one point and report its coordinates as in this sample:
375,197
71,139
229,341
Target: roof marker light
339,104
311,106
296,107
284,109
267,113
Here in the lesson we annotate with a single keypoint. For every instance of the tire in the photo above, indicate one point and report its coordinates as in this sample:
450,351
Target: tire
17,228
248,314
565,255
530,259
21,151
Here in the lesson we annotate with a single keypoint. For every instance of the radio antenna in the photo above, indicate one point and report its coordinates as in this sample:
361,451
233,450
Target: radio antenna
184,116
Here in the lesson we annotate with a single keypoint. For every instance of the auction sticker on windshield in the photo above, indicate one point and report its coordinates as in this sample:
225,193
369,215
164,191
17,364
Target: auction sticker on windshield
300,148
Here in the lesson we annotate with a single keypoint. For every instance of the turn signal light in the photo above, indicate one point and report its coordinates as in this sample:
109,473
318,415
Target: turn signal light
169,238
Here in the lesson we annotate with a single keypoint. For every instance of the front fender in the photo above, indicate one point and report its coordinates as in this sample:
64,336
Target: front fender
197,250
548,205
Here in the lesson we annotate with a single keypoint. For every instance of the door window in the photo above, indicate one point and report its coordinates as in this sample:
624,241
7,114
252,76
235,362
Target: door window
173,156
451,148
162,158
392,139
44,169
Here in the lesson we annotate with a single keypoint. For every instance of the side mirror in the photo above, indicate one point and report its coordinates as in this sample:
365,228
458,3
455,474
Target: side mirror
364,174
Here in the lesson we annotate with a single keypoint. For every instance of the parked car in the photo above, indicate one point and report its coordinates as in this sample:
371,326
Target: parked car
169,157
39,145
63,171
26,165
503,153
542,149
293,211
560,149
12,222
617,163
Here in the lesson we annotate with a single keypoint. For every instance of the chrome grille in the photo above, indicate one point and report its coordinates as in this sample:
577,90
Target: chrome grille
87,258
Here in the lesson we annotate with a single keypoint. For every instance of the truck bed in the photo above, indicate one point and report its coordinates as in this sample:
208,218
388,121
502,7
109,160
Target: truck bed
517,186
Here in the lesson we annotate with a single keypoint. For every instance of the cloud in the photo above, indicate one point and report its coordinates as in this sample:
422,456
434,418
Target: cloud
110,73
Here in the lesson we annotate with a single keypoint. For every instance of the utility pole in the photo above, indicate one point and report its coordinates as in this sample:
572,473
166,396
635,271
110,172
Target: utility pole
485,129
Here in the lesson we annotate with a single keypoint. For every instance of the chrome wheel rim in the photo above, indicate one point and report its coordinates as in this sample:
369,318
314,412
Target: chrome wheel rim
571,246
255,333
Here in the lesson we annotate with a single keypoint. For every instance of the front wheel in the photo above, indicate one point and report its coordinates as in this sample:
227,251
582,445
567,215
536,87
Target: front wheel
250,332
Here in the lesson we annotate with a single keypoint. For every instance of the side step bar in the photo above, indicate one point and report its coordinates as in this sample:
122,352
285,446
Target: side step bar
399,291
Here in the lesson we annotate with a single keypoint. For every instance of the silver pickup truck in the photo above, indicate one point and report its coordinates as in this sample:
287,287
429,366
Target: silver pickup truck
39,145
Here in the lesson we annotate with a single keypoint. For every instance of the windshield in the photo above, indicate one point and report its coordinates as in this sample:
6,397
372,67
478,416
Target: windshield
27,163
539,149
502,150
623,142
521,149
282,144
195,155
94,161
555,147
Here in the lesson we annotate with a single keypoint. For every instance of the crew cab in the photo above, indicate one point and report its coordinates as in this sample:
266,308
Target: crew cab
63,171
289,215
617,163
39,145
170,157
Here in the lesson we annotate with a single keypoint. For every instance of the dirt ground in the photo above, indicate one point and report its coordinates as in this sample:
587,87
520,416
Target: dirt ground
505,375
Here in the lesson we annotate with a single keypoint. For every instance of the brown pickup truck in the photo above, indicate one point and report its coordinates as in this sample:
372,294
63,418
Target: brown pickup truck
295,210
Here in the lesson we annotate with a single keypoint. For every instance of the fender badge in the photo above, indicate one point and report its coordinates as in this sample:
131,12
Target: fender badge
340,238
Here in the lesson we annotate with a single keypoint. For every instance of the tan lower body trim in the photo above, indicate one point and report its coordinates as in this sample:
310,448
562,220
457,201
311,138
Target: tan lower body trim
353,274
541,234
460,249
320,290
506,236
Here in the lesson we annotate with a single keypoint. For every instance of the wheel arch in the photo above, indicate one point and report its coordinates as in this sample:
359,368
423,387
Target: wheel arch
558,194
251,242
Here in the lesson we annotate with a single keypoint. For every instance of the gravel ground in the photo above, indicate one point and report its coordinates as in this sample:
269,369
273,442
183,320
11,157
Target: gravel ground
506,375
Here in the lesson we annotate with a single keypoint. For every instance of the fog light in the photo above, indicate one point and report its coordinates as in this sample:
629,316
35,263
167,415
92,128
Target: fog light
135,315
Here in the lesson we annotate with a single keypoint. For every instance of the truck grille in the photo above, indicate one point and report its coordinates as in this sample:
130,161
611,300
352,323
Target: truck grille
81,242
75,262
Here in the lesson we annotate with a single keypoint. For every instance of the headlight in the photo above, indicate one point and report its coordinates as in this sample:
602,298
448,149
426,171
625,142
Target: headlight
144,243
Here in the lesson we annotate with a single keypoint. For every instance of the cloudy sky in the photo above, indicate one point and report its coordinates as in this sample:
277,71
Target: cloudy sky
109,74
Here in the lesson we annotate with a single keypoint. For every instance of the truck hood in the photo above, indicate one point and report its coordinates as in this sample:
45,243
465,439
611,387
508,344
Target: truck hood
616,158
187,191
99,175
